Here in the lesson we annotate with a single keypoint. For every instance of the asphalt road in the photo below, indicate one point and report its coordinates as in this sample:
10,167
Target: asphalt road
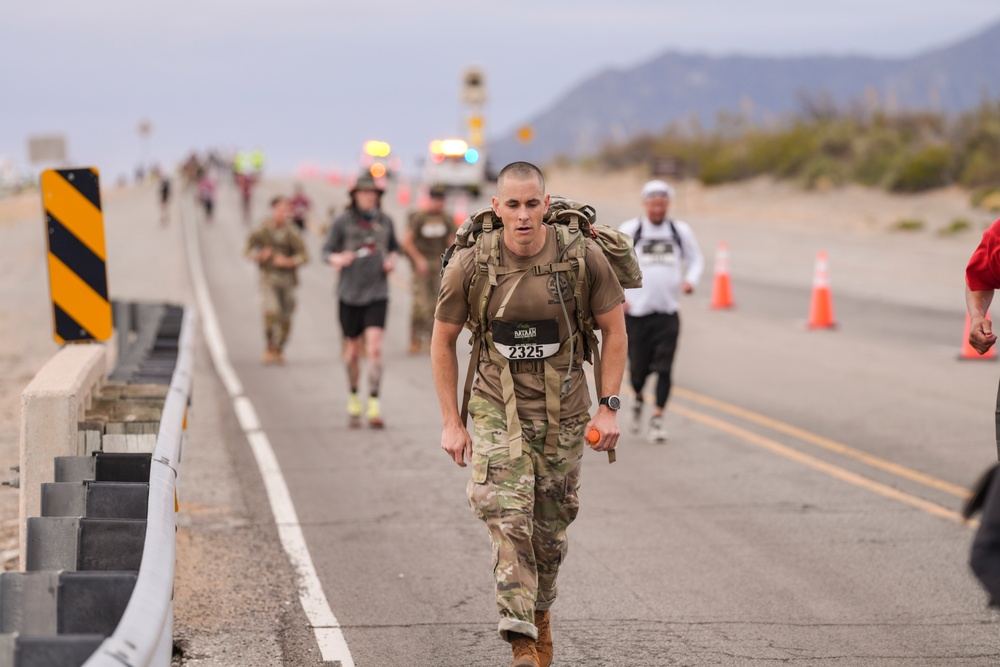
803,511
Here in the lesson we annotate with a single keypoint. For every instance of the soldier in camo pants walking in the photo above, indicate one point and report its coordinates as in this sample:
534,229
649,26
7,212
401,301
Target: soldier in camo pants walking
526,473
278,250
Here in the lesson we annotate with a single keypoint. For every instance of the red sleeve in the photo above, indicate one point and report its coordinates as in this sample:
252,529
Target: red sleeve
983,271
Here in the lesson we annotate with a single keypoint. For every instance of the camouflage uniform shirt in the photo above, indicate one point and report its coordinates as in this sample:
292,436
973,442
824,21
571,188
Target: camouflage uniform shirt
536,299
284,240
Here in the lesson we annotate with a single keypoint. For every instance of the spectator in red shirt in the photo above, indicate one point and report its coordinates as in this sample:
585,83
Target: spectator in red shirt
982,276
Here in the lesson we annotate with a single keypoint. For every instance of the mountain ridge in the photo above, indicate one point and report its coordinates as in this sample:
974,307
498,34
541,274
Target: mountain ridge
616,104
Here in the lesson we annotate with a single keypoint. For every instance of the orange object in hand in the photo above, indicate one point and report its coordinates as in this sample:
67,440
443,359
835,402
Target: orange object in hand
593,436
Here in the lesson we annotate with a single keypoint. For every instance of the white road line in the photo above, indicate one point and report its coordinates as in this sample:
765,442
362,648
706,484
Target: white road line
245,414
332,644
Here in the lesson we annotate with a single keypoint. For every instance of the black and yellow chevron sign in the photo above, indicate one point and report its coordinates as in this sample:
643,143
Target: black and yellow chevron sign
78,276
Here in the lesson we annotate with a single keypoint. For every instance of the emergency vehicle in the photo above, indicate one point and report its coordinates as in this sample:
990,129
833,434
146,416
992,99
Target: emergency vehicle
455,165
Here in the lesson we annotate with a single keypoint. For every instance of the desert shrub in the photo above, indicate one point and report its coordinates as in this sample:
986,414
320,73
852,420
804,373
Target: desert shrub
981,167
922,170
955,226
990,201
821,172
830,144
782,152
909,225
722,166
877,154
979,194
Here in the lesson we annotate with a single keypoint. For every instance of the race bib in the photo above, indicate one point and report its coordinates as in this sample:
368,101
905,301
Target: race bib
433,230
658,252
538,339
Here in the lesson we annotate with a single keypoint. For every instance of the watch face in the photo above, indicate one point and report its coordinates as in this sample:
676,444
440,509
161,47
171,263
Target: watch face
614,402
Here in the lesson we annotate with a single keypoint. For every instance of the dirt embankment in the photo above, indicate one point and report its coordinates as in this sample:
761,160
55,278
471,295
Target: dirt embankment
763,201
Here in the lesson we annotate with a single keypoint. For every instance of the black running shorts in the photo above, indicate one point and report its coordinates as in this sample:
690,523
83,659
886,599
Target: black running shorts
355,319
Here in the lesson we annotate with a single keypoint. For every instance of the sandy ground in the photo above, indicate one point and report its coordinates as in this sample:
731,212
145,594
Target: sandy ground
762,201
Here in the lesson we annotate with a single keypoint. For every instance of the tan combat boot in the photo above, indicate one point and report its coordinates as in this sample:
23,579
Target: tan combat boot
544,644
525,653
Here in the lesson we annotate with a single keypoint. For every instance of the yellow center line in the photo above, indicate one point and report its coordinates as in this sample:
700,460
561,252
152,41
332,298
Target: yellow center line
825,443
828,468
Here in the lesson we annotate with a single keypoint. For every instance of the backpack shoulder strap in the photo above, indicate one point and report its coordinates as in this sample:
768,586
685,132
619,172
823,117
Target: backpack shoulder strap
485,275
673,230
486,251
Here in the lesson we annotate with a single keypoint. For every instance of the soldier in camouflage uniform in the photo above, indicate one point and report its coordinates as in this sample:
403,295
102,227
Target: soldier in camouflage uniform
430,233
278,250
525,476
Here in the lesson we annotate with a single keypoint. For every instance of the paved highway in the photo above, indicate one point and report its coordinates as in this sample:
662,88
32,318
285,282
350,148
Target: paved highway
803,511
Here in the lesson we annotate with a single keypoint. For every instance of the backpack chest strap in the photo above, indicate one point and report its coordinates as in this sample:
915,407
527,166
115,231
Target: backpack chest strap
553,392
558,267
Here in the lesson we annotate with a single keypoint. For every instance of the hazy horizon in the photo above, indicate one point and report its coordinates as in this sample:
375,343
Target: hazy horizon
310,81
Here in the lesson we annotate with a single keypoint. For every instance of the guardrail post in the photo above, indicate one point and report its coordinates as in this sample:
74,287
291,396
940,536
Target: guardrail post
52,405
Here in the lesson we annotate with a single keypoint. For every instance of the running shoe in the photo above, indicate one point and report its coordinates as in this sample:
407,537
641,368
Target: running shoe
635,426
354,411
657,432
374,414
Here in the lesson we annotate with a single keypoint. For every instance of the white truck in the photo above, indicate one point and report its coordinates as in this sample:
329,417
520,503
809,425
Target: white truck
453,164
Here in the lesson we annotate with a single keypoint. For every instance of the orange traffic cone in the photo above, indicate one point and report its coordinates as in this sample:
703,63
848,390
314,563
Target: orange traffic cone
969,352
821,309
722,292
461,208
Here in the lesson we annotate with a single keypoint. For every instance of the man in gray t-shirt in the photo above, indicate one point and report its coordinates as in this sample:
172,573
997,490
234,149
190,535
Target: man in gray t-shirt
361,246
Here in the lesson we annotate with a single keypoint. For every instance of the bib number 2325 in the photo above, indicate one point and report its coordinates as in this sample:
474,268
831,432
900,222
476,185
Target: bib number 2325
538,339
527,352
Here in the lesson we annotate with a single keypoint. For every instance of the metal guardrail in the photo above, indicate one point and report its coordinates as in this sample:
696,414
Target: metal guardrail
144,636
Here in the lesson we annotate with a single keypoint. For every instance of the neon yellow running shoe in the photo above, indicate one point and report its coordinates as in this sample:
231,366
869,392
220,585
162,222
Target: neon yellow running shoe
354,410
374,414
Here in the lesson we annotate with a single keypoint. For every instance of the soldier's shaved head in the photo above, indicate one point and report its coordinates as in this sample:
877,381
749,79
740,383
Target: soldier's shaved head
521,171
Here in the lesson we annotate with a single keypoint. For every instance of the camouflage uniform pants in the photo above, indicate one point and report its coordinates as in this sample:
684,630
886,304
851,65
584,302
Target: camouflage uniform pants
425,295
527,504
277,300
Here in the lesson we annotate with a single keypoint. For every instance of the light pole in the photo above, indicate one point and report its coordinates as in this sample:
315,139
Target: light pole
145,129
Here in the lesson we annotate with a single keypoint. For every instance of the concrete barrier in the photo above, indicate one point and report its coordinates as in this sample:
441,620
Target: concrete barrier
52,406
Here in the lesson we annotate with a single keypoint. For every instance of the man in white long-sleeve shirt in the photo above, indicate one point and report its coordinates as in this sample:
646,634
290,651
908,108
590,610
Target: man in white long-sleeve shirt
671,263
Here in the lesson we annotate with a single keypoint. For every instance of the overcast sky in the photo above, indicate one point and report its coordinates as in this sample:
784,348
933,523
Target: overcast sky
311,80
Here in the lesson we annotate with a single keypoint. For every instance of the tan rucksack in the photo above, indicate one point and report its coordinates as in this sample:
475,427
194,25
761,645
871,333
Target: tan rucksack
574,222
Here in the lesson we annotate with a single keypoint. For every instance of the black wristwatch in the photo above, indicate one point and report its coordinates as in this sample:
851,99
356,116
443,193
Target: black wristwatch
612,402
